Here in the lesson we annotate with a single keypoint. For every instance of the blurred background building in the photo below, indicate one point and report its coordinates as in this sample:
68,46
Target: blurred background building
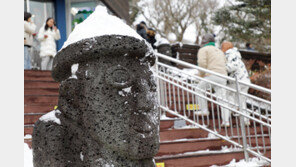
68,13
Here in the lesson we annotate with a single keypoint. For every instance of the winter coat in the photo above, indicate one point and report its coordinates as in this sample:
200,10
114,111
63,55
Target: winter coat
142,31
151,40
235,66
29,29
211,58
48,45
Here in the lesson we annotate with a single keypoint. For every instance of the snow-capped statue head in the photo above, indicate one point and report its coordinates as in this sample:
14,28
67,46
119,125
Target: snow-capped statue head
107,102
100,23
99,34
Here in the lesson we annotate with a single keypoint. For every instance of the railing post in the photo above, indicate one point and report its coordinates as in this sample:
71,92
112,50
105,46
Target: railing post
157,82
242,121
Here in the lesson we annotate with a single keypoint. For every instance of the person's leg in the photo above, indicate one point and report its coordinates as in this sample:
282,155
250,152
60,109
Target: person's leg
244,104
27,59
44,62
202,103
221,96
226,114
49,65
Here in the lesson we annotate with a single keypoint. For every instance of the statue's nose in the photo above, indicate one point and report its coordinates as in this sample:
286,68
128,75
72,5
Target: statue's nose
145,98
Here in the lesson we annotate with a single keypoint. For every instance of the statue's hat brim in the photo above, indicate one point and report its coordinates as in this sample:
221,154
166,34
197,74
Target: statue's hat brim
92,48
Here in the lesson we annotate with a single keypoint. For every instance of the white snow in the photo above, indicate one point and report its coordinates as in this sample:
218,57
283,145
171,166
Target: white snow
164,117
81,156
28,136
127,90
160,40
230,149
100,23
74,69
28,156
212,136
121,93
51,117
253,162
187,127
184,74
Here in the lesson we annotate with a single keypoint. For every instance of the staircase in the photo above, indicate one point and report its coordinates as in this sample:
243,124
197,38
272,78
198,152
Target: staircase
41,95
191,147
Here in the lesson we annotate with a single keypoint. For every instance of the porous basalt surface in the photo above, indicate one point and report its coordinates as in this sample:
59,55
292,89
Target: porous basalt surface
108,113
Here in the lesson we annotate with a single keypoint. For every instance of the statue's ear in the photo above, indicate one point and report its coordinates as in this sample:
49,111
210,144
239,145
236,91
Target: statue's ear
69,98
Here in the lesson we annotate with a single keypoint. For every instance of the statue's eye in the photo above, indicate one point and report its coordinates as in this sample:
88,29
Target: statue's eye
118,77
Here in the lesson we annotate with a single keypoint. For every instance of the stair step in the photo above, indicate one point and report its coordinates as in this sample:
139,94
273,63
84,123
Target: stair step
41,84
28,129
37,73
202,159
169,124
40,100
38,78
38,108
192,145
41,91
175,134
31,119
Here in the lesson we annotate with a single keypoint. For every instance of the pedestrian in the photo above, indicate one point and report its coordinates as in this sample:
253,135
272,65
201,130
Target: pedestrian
142,29
213,59
29,31
151,37
249,46
235,68
47,36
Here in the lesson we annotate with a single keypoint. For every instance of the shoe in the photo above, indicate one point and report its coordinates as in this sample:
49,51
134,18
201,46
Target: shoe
202,113
225,124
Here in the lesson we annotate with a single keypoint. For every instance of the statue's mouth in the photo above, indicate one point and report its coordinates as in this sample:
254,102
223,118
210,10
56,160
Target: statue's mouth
143,123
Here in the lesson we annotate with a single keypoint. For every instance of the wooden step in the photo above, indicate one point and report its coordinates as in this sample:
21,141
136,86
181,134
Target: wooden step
174,134
28,130
209,123
41,91
40,100
37,73
31,119
203,159
41,84
38,108
191,145
38,78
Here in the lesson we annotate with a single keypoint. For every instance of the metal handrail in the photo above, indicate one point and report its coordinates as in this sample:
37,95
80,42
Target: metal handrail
188,93
260,88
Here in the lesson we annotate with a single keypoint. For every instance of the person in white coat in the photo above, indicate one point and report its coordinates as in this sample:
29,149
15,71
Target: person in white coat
29,31
47,36
235,68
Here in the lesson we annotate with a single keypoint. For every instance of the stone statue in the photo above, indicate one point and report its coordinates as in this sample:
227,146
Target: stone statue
107,111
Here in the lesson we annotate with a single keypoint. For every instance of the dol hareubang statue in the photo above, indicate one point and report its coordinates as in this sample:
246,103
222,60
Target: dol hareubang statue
108,115
107,111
